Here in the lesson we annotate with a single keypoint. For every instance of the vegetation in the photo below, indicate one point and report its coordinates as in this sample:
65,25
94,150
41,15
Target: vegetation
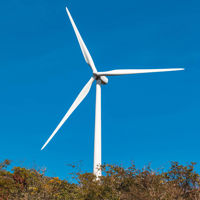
177,183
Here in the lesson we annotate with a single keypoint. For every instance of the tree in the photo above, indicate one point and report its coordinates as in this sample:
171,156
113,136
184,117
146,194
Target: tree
117,183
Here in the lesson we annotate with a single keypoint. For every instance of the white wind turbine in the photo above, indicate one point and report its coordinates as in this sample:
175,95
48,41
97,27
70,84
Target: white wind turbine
100,78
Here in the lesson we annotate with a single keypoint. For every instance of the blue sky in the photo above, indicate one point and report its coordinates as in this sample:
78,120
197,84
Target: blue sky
145,118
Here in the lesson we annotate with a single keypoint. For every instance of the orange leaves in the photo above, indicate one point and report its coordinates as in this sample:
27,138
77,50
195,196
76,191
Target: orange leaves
117,183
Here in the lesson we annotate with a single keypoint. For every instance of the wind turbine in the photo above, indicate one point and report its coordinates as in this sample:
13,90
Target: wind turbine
100,78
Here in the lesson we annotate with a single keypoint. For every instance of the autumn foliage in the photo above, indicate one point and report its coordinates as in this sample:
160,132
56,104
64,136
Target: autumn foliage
117,183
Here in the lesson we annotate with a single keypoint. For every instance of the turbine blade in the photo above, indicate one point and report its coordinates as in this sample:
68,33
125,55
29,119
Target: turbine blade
84,49
135,71
78,100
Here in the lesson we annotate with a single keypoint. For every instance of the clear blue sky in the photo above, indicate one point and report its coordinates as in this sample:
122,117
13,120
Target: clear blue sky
145,118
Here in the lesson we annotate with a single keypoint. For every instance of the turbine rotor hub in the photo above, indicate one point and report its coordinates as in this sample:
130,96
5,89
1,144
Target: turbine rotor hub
104,79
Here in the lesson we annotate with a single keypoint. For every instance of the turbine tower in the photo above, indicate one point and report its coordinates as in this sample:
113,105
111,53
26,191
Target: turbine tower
100,78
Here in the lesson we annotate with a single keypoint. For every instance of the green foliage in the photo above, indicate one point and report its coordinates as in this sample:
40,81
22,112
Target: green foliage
117,183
